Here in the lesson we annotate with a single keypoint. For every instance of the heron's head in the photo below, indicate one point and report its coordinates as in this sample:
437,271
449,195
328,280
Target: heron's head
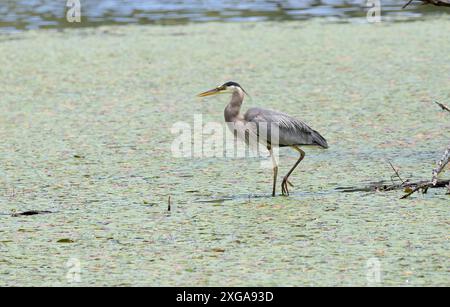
229,87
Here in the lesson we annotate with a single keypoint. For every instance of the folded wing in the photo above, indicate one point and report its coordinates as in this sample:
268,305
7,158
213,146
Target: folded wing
288,130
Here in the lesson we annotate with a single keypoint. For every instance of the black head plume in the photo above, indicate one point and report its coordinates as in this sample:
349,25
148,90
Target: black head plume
232,83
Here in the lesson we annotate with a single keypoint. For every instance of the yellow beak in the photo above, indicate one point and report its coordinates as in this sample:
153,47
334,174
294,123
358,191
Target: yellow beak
215,91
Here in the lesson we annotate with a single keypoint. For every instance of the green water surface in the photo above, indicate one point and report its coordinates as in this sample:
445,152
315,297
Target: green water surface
85,133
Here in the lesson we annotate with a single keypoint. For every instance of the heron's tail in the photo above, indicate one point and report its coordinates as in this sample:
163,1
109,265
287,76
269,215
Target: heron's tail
319,140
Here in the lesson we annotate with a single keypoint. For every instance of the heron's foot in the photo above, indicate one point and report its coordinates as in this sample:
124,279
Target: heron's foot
284,187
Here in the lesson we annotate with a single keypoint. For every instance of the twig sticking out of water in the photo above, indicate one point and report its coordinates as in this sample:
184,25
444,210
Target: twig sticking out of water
443,106
424,187
412,187
433,2
441,165
396,173
382,186
445,157
434,183
439,168
406,185
168,204
409,2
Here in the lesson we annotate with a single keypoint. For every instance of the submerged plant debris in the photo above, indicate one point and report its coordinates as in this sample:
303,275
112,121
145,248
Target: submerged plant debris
29,213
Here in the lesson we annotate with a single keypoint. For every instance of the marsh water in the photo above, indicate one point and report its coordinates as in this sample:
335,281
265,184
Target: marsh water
86,134
18,15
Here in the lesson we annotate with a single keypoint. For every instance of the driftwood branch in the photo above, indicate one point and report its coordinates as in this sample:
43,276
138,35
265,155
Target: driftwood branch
445,157
443,106
396,173
409,186
424,186
441,165
432,2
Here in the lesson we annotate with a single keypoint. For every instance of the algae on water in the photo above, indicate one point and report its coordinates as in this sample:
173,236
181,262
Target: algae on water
85,131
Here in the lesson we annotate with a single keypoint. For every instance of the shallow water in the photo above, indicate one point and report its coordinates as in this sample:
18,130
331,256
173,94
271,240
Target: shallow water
85,129
18,15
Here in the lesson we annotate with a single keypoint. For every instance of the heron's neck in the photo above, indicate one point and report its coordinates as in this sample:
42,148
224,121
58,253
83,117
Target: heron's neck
234,107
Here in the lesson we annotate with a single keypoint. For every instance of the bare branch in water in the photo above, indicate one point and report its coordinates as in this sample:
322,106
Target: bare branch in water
441,165
382,186
433,2
424,187
443,106
396,172
408,186
409,2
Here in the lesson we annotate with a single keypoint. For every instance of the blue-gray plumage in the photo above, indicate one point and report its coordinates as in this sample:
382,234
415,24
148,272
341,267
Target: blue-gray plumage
269,127
292,131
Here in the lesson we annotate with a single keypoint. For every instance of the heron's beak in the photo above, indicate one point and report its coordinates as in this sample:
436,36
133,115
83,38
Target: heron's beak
215,91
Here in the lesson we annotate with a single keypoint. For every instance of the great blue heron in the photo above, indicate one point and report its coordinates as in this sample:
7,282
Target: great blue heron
290,131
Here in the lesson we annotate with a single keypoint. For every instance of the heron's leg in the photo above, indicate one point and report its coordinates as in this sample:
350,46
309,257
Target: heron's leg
275,171
284,184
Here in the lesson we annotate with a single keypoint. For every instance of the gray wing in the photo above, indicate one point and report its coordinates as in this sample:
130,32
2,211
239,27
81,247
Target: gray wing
290,132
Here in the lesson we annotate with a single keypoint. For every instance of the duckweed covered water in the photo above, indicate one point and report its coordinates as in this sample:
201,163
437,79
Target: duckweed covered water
85,129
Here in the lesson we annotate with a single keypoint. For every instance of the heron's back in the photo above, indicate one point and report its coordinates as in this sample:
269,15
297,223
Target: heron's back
290,132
